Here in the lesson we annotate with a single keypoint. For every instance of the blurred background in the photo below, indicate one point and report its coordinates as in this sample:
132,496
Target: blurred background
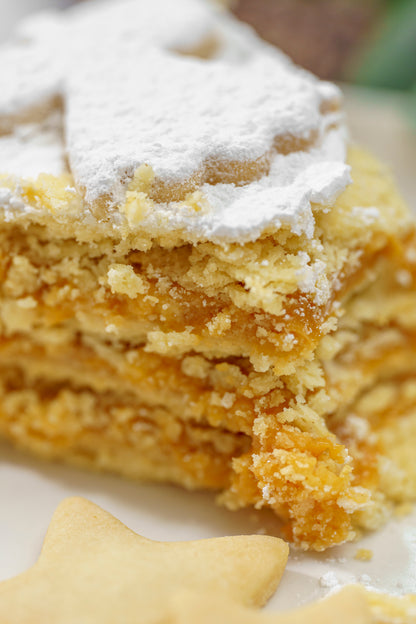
369,46
371,42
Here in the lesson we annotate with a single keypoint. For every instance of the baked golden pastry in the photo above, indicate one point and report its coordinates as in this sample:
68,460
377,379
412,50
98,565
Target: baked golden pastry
93,568
201,283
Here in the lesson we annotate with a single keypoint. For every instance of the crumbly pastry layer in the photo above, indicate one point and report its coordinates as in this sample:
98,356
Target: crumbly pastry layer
238,318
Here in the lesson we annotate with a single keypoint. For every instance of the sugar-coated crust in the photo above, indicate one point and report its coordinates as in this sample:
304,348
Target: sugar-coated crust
191,289
170,127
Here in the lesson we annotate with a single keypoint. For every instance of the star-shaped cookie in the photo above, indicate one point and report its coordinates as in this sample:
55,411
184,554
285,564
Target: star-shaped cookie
93,569
349,606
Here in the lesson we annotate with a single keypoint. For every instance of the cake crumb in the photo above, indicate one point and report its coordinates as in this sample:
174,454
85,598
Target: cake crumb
364,554
404,278
123,280
27,303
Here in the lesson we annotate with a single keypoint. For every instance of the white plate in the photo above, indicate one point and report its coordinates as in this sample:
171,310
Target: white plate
30,491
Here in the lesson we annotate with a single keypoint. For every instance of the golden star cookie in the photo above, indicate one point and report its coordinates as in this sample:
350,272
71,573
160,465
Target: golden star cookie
93,569
349,606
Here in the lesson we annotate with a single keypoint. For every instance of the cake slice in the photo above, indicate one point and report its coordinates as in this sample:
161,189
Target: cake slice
202,282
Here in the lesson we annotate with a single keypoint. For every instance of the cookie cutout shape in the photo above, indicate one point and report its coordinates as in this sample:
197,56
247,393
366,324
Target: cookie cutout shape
94,569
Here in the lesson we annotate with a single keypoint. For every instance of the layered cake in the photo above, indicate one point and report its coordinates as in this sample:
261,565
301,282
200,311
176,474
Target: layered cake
202,280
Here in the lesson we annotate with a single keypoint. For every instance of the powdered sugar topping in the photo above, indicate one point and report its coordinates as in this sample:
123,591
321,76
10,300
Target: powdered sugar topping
131,97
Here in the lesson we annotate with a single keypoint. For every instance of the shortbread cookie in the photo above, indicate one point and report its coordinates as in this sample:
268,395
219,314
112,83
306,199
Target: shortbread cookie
202,282
351,605
94,570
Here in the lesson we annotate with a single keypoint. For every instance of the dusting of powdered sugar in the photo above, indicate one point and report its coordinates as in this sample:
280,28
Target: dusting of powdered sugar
207,110
50,46
130,97
31,149
283,198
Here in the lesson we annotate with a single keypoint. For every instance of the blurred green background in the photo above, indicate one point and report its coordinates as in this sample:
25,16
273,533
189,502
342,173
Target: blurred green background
389,54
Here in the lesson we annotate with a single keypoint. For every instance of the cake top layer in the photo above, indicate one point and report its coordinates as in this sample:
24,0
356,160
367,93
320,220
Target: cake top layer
174,117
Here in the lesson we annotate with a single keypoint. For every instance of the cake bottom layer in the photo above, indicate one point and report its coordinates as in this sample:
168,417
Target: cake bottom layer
107,432
325,488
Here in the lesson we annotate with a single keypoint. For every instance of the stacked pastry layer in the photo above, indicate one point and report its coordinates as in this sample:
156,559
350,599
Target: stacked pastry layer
192,288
